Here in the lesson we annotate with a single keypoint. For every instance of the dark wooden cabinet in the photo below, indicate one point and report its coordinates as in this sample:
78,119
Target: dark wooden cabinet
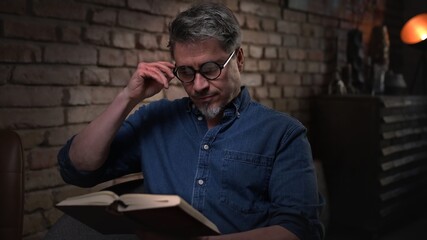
374,156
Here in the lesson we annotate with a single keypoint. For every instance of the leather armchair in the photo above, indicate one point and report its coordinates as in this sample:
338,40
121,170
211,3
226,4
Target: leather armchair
11,185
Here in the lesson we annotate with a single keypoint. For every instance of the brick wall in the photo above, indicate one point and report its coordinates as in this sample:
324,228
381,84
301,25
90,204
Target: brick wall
63,61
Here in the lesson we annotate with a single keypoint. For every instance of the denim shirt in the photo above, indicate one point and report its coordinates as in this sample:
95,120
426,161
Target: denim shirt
252,170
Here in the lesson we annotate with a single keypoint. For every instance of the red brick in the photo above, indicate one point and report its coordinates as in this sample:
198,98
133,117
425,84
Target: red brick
289,92
294,16
147,41
291,66
120,76
261,92
104,95
123,39
261,9
32,138
70,34
255,51
58,136
17,118
13,6
65,9
274,39
269,78
296,54
303,92
104,16
270,52
46,74
251,65
253,22
23,96
38,200
141,21
275,92
76,54
111,57
268,24
264,65
83,114
131,58
42,158
151,56
42,179
33,222
313,67
288,27
95,76
77,96
251,79
254,37
5,74
290,40
315,55
140,5
19,52
164,42
115,3
29,29
97,35
289,79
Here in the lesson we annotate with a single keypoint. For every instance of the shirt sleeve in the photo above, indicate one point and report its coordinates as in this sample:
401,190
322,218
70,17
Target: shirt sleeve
123,159
296,202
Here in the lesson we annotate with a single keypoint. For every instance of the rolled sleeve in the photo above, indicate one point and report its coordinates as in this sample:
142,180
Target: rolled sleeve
296,203
73,176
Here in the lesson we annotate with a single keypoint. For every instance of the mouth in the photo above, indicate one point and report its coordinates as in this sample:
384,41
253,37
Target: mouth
205,97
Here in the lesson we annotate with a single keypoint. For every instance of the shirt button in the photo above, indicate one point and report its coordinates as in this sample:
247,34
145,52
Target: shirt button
206,147
200,118
200,182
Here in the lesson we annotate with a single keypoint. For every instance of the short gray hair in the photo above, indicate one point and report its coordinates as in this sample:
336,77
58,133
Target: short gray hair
203,21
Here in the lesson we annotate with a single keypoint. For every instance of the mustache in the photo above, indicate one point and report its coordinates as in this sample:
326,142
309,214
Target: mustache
199,94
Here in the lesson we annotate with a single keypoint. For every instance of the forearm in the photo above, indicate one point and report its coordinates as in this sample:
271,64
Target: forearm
267,233
90,147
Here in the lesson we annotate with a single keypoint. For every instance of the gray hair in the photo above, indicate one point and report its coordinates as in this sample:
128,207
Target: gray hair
203,21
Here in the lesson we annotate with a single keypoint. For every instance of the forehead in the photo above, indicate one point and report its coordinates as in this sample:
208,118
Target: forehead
195,53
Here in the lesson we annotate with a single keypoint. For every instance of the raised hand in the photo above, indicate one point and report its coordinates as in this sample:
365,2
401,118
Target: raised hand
149,79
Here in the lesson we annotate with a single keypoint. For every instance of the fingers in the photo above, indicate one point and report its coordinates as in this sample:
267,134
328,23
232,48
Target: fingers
161,72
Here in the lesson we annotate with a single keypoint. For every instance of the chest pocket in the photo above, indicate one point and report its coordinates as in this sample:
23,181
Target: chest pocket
245,177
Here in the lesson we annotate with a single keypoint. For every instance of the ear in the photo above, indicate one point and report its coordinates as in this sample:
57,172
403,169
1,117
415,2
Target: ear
240,59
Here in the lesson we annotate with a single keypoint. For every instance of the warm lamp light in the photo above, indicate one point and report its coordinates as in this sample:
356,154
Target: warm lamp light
414,32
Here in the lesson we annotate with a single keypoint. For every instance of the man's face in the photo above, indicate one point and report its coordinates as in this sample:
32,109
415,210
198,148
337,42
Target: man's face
210,96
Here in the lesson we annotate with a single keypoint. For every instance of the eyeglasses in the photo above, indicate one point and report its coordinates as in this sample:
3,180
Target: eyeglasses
209,70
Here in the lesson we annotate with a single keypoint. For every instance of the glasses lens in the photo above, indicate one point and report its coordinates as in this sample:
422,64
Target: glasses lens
185,74
210,70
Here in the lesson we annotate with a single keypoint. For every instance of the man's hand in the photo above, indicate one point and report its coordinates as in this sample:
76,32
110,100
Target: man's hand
149,79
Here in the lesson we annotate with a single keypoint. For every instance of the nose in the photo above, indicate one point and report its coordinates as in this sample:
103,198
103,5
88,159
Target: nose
200,83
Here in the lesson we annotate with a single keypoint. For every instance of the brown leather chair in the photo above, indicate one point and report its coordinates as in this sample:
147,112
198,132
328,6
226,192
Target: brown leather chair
11,185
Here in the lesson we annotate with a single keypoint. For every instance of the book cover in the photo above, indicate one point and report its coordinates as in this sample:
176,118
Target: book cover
109,213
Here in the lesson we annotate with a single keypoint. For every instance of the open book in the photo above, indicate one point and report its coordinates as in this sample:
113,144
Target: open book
109,213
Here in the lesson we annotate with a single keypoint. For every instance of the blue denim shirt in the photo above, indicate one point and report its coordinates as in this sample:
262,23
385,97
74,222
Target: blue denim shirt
254,169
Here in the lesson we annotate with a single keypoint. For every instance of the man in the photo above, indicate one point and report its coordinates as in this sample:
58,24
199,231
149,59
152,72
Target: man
246,167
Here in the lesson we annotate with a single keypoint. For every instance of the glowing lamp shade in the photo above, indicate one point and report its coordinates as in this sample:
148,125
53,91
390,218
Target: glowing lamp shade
414,32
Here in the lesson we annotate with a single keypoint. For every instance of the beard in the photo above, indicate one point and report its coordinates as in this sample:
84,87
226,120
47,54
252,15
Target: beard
210,112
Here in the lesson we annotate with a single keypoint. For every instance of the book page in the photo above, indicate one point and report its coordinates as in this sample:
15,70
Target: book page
96,199
138,201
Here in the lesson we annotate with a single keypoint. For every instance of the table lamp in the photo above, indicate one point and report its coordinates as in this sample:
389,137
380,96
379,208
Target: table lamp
414,33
